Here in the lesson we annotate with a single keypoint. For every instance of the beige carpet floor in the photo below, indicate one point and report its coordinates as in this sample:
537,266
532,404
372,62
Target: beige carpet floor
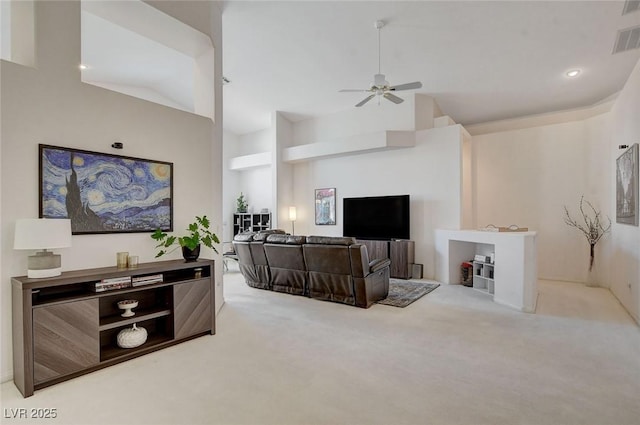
452,357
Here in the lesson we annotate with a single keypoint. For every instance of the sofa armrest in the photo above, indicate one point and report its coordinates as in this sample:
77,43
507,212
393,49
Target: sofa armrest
379,264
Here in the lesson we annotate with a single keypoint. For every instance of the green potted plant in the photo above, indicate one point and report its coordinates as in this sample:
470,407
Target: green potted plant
199,233
241,204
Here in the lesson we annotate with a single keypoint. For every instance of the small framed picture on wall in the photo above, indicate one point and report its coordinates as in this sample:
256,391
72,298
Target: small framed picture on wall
325,200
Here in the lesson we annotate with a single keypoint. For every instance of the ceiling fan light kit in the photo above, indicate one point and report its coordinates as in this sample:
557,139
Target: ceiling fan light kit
380,86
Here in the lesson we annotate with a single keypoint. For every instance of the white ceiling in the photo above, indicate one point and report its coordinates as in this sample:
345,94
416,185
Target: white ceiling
481,60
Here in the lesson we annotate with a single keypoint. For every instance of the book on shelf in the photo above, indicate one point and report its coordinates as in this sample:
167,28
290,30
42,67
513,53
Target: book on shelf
147,280
122,279
108,286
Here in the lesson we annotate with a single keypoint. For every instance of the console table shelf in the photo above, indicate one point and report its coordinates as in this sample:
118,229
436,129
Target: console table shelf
119,321
63,329
153,341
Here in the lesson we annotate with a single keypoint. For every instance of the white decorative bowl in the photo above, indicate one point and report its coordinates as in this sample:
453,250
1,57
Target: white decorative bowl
132,337
127,305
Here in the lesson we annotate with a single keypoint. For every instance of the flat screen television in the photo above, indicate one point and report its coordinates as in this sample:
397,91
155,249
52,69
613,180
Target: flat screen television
376,217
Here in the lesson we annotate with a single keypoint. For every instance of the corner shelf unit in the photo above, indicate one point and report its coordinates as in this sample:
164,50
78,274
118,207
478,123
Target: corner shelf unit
248,222
483,276
63,329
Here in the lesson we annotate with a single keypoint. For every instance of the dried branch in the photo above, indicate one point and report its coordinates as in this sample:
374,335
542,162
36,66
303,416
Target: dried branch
593,227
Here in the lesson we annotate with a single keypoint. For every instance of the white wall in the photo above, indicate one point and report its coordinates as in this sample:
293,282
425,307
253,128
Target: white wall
526,176
625,239
231,187
430,173
51,105
254,183
412,114
257,186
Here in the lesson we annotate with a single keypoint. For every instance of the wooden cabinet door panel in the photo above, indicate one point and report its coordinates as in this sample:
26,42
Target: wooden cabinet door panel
192,308
66,339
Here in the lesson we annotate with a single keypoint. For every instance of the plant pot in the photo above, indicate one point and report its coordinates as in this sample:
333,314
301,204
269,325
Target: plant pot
190,255
592,273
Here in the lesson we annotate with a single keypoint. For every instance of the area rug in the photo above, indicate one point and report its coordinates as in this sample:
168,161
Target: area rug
404,292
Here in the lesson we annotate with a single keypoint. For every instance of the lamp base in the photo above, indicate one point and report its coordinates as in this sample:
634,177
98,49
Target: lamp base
44,264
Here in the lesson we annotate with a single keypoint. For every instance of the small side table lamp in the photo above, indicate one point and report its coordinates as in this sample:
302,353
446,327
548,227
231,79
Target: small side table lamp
44,234
293,217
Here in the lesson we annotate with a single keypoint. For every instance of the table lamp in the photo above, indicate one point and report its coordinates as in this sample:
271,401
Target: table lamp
44,234
293,217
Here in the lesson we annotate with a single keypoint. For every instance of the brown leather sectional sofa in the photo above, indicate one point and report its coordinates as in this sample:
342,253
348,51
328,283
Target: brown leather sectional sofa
326,268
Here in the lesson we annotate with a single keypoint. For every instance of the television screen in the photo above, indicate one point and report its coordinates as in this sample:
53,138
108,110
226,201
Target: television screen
376,217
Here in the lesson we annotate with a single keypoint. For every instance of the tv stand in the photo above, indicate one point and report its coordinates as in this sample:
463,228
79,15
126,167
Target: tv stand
401,253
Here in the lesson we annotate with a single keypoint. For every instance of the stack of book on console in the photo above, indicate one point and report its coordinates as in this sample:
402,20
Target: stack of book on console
111,284
146,280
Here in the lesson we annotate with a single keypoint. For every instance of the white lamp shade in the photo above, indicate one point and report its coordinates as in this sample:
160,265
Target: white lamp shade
42,233
292,214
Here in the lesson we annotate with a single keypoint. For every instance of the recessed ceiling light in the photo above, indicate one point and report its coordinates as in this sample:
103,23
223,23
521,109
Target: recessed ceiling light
83,66
573,73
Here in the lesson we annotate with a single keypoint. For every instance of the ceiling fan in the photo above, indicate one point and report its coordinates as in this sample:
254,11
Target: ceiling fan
380,86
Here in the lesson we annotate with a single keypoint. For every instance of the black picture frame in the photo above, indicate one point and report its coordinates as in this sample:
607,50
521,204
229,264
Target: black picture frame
325,206
105,193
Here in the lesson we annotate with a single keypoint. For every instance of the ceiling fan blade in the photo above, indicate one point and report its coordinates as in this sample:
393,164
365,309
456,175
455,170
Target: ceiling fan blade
408,86
366,99
353,90
395,99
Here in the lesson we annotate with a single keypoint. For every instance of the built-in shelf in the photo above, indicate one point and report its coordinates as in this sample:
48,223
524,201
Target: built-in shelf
246,162
357,144
483,276
512,280
361,143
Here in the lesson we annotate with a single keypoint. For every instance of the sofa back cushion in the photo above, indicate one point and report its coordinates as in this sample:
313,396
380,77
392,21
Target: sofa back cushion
244,237
329,267
286,263
330,240
263,234
252,261
285,239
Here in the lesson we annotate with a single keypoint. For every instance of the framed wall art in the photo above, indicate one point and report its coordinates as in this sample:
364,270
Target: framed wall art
326,206
627,186
104,193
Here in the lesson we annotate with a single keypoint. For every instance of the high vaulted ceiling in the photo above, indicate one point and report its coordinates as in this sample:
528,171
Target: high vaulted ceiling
481,60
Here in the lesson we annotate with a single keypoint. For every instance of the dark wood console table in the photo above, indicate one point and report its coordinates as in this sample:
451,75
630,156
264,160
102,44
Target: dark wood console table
63,329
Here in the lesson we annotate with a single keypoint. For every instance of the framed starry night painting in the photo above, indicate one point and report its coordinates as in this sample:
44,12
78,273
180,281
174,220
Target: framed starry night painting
105,193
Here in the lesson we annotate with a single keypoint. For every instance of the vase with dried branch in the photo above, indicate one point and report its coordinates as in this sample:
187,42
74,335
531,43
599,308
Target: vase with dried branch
592,226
